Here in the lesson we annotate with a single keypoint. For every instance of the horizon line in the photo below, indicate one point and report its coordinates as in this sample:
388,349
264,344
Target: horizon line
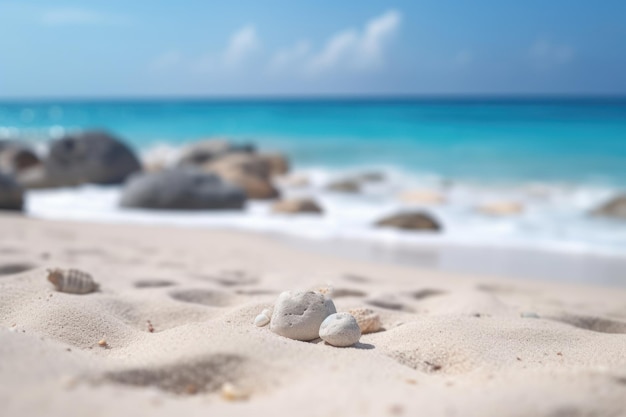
326,97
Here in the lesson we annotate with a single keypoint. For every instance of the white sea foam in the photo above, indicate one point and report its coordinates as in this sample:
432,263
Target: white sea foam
555,216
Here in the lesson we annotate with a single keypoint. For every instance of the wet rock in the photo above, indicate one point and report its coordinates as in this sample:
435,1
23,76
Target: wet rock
614,208
302,205
94,157
345,186
279,164
11,194
250,164
205,151
340,329
298,314
411,221
15,158
181,189
250,172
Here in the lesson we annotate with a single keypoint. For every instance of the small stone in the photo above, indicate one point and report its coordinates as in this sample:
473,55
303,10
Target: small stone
501,208
340,329
267,312
529,315
368,320
299,314
261,320
230,392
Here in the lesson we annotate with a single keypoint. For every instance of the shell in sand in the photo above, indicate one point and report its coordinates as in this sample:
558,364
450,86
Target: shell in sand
72,281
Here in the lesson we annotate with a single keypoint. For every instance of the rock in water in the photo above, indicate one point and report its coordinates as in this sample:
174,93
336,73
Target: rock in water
303,205
256,188
183,189
345,186
340,329
368,320
410,221
208,150
15,158
11,194
299,314
90,157
279,164
615,208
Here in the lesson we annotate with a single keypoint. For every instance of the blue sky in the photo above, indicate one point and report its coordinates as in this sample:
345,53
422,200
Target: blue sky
207,48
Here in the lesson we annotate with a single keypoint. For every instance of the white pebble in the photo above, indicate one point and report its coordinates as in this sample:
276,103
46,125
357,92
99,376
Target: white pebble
261,320
340,329
299,314
267,312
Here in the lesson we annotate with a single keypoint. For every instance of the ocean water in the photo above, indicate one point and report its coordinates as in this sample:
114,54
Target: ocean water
557,158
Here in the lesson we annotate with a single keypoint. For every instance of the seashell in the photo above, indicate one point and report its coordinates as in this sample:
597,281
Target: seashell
368,320
72,281
261,320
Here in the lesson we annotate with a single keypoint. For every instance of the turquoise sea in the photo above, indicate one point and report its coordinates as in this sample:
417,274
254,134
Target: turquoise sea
557,158
484,139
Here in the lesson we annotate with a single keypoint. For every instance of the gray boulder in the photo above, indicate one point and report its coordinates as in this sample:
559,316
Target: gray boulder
410,221
11,194
205,151
15,158
94,157
181,189
615,208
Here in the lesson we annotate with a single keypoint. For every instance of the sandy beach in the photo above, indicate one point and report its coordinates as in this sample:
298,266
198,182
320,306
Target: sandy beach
174,318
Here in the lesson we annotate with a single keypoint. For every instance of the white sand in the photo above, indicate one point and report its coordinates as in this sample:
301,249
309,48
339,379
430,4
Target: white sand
452,345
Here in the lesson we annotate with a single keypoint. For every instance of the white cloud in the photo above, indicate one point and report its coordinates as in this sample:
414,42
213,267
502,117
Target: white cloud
348,49
242,44
79,16
357,50
545,54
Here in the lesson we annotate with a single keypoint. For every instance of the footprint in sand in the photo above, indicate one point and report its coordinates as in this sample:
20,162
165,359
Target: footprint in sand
595,324
15,268
231,278
153,283
426,293
199,376
347,292
205,297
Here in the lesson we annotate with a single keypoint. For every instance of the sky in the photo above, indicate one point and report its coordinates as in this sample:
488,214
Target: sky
141,48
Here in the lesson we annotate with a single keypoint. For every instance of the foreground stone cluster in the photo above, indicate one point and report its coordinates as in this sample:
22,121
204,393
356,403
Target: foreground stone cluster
311,315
